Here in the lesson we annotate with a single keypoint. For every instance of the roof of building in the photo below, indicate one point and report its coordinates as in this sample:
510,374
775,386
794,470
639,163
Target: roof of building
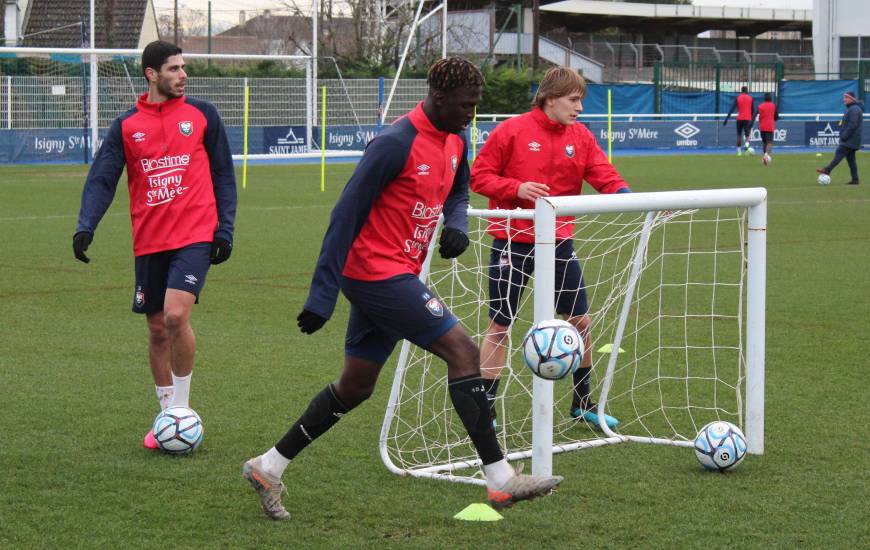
337,33
57,23
591,15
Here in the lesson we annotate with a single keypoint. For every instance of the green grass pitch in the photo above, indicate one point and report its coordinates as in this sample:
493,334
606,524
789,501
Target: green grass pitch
78,396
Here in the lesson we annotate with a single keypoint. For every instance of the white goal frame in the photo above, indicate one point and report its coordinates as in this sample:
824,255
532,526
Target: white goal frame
545,213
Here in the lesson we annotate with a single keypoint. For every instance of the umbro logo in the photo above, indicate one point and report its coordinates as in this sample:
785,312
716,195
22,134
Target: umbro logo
190,279
139,137
534,146
686,130
423,170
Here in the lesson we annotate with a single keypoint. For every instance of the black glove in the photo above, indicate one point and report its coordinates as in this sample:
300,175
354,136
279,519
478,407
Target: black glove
220,250
453,243
81,242
310,322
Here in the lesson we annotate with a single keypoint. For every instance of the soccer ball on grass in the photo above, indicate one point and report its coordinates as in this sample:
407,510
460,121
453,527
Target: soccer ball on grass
553,349
824,179
178,430
720,446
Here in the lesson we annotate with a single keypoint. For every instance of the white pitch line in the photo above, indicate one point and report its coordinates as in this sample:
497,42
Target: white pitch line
126,215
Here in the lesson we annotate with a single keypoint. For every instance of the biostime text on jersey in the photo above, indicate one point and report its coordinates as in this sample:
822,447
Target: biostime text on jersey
167,184
425,218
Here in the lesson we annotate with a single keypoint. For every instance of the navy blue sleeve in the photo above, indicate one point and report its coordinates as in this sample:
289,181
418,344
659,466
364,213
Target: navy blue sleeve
456,204
102,179
731,110
382,162
223,176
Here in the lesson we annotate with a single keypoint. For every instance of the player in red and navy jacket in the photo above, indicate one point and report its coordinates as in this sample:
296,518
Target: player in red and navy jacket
182,191
745,115
543,152
767,117
378,237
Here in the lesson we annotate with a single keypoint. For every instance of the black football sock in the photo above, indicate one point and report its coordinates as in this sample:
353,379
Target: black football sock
322,413
581,388
468,395
491,393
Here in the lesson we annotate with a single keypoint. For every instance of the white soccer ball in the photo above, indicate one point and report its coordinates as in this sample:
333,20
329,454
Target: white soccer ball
750,150
720,446
178,430
824,179
766,159
553,349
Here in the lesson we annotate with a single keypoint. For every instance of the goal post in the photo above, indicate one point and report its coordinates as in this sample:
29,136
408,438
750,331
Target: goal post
676,288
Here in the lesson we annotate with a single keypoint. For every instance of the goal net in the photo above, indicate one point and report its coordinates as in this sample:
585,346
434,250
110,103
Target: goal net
675,285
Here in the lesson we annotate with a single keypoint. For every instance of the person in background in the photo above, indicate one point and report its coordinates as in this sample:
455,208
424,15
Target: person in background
850,137
745,107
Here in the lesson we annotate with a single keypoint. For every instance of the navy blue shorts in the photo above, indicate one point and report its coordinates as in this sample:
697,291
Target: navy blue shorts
181,269
509,272
384,312
744,127
766,137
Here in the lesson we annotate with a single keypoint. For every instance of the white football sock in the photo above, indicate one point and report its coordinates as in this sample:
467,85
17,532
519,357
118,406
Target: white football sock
497,474
182,391
164,395
274,463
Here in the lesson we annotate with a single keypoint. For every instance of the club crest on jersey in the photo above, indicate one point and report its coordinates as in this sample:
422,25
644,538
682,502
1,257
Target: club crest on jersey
453,163
534,146
569,150
185,127
139,298
435,307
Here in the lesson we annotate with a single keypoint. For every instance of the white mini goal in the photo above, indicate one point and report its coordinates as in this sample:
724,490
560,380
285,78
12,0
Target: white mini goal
676,289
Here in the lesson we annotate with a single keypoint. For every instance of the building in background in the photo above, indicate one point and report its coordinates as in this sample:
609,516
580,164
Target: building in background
841,37
129,24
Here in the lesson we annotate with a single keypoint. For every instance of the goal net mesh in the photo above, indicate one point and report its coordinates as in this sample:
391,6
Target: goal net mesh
680,363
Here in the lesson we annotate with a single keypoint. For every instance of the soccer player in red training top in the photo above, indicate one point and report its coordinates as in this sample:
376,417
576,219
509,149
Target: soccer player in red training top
767,117
373,250
745,115
182,204
541,153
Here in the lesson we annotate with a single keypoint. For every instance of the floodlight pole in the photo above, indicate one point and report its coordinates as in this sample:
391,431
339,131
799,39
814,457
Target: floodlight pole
444,30
314,17
93,80
402,59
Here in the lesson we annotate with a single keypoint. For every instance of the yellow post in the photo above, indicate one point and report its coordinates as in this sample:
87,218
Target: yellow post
323,142
245,140
609,129
474,136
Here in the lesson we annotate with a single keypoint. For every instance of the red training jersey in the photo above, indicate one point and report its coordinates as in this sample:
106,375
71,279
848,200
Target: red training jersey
396,235
179,175
767,116
531,147
744,107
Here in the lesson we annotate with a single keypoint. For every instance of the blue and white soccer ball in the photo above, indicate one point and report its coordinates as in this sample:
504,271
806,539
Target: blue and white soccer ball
553,349
178,430
720,446
824,179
